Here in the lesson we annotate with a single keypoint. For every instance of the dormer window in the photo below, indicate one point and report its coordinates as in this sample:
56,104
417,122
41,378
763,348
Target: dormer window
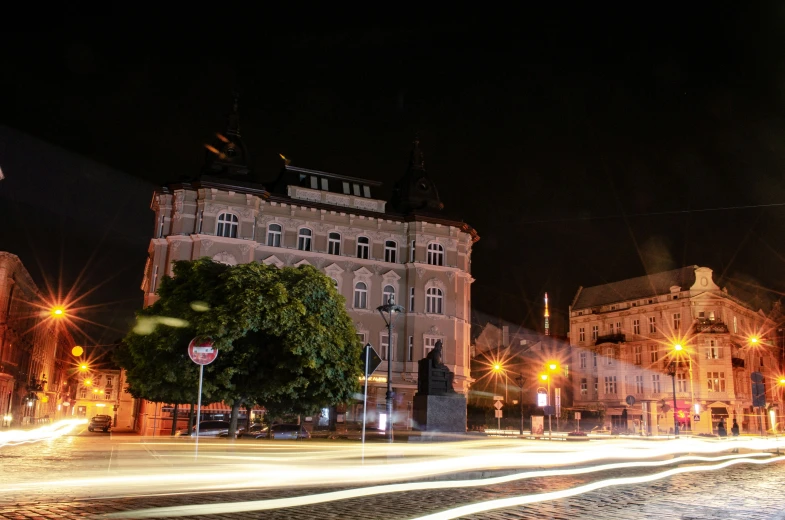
227,225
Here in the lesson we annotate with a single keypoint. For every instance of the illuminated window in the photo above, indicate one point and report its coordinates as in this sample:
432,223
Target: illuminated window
390,249
435,254
716,381
304,239
274,235
433,300
363,247
227,225
360,296
681,383
334,244
713,351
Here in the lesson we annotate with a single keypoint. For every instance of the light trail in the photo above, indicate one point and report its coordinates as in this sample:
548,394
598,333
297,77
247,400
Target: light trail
501,503
279,503
44,433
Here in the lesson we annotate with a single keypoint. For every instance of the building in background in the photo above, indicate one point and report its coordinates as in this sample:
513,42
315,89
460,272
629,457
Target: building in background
405,249
34,345
100,391
625,335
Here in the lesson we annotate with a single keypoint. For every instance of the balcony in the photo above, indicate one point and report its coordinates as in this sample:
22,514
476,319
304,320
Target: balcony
737,362
611,338
715,326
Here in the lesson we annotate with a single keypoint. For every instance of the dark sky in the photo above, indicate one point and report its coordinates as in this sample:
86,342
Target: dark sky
582,145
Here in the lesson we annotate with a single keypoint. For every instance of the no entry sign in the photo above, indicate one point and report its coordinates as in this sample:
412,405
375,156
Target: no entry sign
201,350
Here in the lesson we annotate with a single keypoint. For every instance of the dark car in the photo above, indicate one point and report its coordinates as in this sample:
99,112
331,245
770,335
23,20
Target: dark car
288,431
100,422
207,429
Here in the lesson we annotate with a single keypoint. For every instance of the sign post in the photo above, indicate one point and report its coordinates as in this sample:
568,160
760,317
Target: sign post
371,362
202,352
498,405
578,418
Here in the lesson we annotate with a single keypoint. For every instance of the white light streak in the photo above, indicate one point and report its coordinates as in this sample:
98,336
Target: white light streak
260,505
44,433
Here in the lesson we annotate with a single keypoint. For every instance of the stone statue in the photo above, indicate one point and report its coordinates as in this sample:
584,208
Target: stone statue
435,355
437,406
433,377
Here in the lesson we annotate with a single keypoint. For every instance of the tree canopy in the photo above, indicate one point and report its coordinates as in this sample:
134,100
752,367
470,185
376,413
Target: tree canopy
284,339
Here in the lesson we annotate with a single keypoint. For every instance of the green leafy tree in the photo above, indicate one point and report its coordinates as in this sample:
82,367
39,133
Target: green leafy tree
285,340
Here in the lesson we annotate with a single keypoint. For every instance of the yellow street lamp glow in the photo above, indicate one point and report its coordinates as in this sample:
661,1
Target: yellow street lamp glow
544,377
88,382
497,367
83,367
553,366
782,381
77,351
753,340
678,347
58,312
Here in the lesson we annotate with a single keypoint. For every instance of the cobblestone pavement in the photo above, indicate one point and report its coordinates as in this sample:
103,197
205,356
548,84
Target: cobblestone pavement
741,492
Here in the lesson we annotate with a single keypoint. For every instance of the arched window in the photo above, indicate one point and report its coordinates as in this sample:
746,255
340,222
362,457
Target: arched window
335,282
390,250
274,235
388,294
435,254
363,247
304,239
334,244
433,300
227,225
360,295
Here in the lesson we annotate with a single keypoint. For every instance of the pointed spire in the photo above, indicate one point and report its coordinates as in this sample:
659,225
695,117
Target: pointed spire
233,127
547,315
417,161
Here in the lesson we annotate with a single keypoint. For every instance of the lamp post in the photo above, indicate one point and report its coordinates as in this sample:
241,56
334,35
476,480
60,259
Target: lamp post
521,380
546,377
391,309
497,367
672,373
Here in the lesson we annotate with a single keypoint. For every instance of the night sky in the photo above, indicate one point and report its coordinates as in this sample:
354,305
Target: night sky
584,147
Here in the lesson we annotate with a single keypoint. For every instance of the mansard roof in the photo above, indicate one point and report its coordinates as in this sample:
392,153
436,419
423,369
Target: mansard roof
635,288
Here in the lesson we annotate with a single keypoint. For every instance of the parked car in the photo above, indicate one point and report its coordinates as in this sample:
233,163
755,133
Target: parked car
207,429
253,432
100,422
287,431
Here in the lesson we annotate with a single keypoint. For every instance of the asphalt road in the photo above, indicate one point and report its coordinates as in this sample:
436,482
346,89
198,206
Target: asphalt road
746,491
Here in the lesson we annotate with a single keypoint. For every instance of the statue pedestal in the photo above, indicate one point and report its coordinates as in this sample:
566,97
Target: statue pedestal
440,413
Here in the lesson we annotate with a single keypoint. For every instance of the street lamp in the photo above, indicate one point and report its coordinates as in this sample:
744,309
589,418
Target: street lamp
546,377
672,373
552,367
497,367
391,309
58,311
521,380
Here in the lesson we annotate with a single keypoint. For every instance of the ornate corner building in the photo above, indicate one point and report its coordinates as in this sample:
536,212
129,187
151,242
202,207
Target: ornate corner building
373,249
626,334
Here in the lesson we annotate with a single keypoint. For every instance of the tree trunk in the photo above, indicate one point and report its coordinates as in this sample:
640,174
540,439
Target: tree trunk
191,419
247,417
333,418
174,419
233,421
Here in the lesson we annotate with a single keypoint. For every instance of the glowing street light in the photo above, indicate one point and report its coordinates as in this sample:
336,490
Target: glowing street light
58,312
754,340
77,351
83,367
497,367
677,347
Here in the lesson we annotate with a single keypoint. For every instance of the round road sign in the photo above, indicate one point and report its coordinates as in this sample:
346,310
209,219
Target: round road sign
201,350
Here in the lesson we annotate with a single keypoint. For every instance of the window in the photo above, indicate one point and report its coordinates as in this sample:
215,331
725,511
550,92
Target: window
360,296
227,225
595,332
713,351
735,326
356,189
681,383
388,294
367,192
655,383
652,324
304,239
716,381
654,354
638,354
583,360
610,328
435,254
386,348
83,393
594,358
390,249
610,384
274,235
361,337
410,349
638,384
618,327
429,344
411,299
636,326
676,321
325,184
609,356
584,387
412,250
363,247
108,394
314,182
346,189
335,283
109,381
433,300
596,385
582,334
334,244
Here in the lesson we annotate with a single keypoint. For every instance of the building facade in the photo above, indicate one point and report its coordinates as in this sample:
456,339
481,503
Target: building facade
101,392
626,334
34,377
375,251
